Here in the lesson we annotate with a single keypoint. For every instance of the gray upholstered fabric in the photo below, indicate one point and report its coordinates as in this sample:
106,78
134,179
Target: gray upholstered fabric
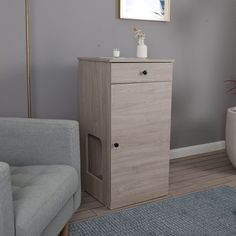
6,207
46,189
41,142
59,221
39,193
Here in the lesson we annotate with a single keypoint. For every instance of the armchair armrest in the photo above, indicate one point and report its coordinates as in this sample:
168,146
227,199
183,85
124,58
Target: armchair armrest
7,226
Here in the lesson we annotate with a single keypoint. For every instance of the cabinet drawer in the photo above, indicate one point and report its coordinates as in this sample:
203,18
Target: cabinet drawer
140,72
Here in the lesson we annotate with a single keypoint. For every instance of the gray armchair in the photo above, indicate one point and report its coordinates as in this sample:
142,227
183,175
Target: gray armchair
39,175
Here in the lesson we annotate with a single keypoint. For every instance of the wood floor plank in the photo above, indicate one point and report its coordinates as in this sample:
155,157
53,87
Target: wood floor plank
202,180
196,168
192,162
199,186
199,174
183,165
79,216
199,157
232,183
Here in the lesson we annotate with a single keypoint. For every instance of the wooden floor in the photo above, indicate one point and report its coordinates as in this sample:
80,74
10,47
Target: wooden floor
187,175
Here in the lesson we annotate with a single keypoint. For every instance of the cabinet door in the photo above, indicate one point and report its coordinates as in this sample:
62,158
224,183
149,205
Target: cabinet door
140,139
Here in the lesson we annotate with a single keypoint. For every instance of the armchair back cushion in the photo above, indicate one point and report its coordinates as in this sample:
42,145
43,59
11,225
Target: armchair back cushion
39,142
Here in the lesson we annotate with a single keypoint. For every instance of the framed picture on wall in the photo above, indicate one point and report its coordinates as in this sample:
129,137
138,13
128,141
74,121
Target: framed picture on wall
154,10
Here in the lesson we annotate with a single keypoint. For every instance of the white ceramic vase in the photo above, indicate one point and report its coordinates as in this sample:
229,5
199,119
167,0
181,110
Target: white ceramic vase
230,135
142,50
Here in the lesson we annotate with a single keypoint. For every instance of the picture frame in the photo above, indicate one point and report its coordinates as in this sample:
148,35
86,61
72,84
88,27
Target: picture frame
152,10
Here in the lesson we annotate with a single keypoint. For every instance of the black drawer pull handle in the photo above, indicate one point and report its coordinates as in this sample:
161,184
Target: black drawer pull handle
145,72
116,145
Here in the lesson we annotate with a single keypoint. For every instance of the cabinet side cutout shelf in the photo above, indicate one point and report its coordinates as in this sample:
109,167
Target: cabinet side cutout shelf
95,156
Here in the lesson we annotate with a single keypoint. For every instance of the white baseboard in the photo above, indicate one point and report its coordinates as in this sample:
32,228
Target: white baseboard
195,150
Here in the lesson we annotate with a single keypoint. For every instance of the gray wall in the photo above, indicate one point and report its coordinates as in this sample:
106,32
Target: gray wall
200,37
12,59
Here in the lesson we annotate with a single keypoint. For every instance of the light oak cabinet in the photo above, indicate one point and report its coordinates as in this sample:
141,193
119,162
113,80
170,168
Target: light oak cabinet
125,114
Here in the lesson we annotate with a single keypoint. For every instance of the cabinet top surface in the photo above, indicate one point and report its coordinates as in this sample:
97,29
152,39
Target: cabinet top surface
124,60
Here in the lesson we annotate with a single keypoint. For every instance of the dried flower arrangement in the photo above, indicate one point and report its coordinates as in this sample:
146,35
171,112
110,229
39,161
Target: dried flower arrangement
138,33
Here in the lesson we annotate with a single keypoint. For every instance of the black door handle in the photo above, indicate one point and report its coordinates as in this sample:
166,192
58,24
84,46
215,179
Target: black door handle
145,72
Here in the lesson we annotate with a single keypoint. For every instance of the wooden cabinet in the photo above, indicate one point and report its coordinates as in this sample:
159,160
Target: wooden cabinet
125,112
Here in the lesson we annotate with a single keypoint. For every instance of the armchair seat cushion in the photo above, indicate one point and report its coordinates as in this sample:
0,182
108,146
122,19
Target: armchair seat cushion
39,193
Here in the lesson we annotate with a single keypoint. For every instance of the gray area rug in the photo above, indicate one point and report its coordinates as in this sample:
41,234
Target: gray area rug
211,212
